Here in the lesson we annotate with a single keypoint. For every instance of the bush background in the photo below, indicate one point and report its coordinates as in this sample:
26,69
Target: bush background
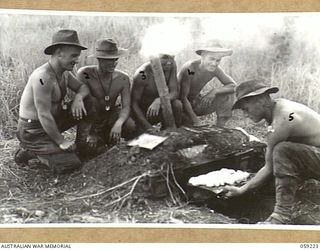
282,50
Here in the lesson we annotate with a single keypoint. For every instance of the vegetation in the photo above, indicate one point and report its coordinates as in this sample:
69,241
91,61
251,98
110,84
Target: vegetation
288,59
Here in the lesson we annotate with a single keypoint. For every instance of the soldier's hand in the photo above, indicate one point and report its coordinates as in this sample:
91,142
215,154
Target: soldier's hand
174,65
67,146
206,101
231,191
115,133
154,108
77,108
92,141
197,122
153,129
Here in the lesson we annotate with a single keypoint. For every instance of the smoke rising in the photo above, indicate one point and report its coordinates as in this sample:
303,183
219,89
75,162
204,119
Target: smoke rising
169,37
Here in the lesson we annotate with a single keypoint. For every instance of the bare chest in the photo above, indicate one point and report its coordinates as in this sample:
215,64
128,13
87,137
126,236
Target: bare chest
150,89
59,90
105,87
198,80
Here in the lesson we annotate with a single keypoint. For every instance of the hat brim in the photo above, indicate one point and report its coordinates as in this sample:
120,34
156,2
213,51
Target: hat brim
50,49
105,55
218,50
268,90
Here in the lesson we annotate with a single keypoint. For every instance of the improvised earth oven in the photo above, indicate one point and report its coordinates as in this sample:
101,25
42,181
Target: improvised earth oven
190,152
197,151
199,159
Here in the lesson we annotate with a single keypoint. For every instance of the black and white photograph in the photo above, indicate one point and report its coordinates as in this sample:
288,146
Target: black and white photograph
176,119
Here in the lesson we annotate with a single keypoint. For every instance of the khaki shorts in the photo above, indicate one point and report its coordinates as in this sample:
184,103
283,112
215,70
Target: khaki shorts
33,138
222,105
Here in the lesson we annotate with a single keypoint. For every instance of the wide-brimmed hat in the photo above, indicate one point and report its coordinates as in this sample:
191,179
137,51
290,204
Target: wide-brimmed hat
252,88
108,49
214,46
64,37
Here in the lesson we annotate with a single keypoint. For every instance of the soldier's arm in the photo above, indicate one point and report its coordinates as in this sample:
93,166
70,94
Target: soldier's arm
42,100
125,101
136,95
78,86
227,81
279,132
82,75
184,81
82,91
173,86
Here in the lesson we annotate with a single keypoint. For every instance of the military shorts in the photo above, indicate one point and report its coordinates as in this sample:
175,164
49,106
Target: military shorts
33,138
222,105
296,160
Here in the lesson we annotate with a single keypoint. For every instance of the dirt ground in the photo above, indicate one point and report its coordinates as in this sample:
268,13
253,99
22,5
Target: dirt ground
116,187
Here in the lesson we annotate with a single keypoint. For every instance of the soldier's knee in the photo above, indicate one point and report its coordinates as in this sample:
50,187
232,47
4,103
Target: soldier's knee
90,104
281,150
177,105
281,158
130,129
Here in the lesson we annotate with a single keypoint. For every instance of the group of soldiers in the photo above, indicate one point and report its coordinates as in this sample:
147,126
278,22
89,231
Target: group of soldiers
293,146
100,119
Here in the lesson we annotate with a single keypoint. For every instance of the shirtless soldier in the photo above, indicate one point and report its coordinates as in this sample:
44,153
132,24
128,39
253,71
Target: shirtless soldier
106,84
43,113
194,75
293,145
145,97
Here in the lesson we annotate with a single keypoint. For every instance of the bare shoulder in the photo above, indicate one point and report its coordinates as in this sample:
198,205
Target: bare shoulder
86,69
43,77
289,113
144,68
143,75
219,70
121,75
191,65
285,105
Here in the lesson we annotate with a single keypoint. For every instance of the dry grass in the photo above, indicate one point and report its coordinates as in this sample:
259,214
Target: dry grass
22,41
32,194
297,76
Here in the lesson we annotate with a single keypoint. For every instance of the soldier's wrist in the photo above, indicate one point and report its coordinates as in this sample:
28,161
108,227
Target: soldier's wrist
60,141
119,122
79,96
157,100
243,189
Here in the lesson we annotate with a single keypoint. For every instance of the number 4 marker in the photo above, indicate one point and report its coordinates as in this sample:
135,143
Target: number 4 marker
190,72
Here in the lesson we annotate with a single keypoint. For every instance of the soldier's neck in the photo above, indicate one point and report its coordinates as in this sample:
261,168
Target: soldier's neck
270,112
203,68
56,67
103,73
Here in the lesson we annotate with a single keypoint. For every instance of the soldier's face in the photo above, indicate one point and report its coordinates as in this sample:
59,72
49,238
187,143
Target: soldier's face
69,56
167,62
210,61
108,65
253,108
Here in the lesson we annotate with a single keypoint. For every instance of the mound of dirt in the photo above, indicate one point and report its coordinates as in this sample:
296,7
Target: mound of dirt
116,186
122,162
113,183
